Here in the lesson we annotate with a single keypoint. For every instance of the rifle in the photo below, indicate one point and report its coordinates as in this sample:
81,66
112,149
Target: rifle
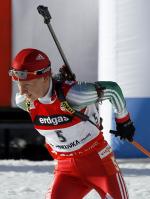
65,71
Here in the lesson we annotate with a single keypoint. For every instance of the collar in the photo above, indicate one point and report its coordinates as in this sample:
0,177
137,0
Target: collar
47,98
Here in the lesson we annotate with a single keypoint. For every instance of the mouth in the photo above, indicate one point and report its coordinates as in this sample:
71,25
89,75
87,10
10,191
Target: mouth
29,97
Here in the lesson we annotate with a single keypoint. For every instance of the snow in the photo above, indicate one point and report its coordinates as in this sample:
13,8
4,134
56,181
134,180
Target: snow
23,179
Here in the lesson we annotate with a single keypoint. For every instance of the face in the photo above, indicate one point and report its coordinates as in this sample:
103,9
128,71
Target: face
34,89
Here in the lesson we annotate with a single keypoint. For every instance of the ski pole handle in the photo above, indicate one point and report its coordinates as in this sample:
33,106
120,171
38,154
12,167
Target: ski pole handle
136,144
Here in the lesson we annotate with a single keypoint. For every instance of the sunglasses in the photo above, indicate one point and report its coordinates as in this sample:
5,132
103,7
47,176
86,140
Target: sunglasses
24,74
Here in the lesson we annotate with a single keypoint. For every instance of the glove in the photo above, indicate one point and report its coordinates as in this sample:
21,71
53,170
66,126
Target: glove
125,129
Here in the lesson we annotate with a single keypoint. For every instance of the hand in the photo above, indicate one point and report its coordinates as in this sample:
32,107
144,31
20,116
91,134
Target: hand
125,129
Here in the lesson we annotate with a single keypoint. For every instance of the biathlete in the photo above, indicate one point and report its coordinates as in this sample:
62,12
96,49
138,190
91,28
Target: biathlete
66,114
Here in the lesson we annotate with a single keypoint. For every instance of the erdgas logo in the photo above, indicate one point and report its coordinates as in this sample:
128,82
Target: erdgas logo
52,120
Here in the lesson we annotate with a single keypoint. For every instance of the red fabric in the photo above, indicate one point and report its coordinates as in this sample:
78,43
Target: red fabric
31,60
124,119
96,144
5,52
74,178
48,110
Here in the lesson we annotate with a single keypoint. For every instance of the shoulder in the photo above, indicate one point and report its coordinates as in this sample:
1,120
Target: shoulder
82,86
22,103
81,90
66,86
107,83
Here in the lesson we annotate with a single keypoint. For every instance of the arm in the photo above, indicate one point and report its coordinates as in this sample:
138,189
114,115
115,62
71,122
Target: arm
22,102
83,94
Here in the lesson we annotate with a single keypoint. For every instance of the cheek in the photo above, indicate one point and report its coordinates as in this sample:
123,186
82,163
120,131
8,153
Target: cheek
32,90
37,91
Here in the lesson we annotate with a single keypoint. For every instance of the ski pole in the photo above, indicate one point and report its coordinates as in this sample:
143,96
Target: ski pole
47,17
136,144
141,148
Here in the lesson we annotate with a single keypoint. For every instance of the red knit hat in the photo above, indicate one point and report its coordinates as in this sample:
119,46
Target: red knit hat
30,63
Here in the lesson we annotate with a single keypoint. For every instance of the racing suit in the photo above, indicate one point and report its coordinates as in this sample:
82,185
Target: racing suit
85,161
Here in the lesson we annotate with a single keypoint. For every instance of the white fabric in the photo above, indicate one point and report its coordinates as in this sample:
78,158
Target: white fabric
47,98
76,136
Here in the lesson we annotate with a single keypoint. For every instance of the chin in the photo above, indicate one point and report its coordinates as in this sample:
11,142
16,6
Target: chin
31,98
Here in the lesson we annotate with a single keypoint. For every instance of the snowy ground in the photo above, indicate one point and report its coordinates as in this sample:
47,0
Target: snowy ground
30,180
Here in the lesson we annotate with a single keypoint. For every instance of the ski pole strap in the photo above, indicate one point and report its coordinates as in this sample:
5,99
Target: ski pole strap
67,106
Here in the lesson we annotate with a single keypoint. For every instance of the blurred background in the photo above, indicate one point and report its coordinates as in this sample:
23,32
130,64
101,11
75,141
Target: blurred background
104,40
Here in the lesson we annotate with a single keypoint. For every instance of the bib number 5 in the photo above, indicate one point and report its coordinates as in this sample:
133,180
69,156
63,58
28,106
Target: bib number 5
60,136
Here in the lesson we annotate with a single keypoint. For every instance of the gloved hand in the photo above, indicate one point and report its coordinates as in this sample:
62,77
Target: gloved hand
125,129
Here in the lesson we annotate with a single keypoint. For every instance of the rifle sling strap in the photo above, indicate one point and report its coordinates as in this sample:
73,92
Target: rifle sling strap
67,107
